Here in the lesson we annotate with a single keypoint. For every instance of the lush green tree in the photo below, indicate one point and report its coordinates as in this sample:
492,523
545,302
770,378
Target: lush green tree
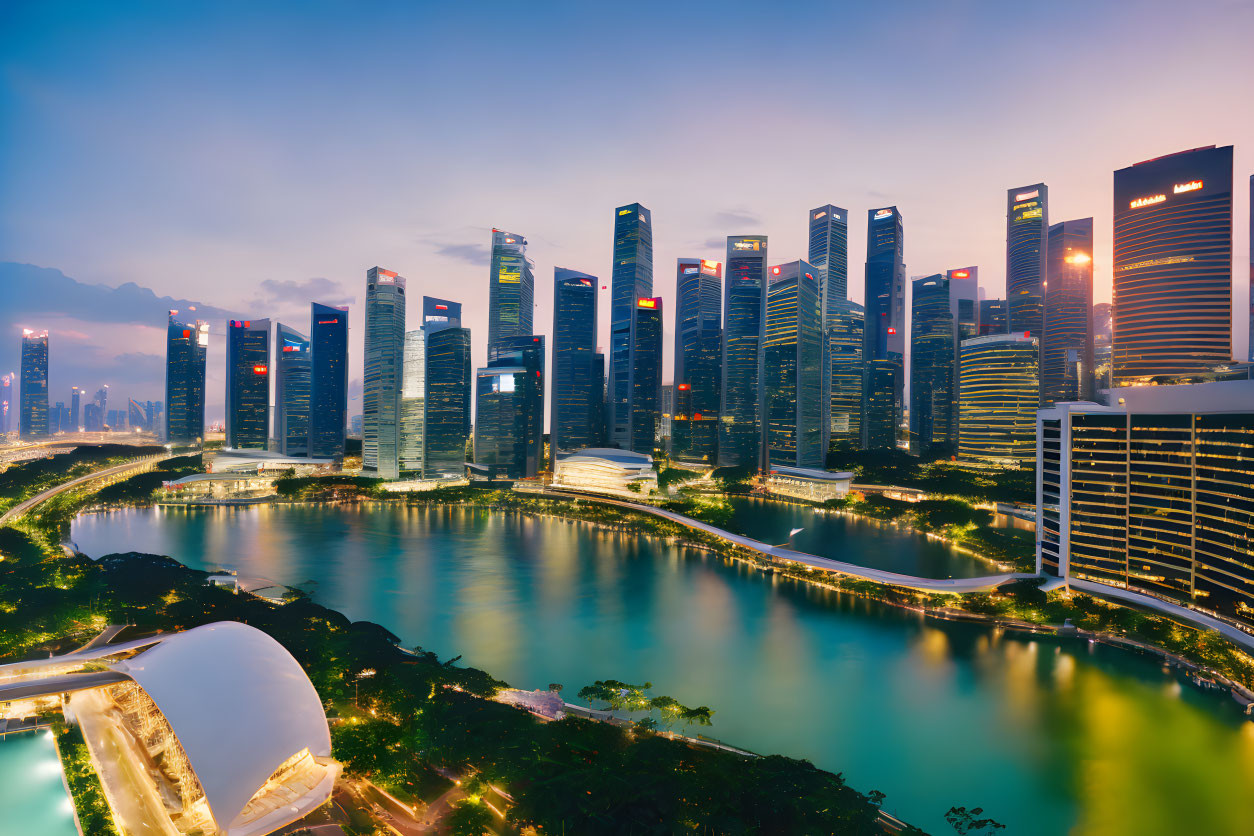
469,818
966,821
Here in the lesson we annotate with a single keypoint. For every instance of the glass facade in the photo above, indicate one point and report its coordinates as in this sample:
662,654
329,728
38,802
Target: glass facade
933,357
646,375
844,347
884,337
186,346
576,398
1067,361
33,418
413,403
998,395
698,360
381,381
829,255
1027,220
293,369
509,411
793,367
1173,266
964,305
446,420
328,342
993,317
631,278
248,384
744,329
511,288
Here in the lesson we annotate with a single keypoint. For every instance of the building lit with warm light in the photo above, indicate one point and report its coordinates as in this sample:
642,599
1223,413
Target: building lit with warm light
1027,223
606,470
810,484
884,334
631,278
993,317
1067,359
382,373
1153,494
744,331
845,323
998,395
646,374
33,418
793,415
698,360
1173,266
248,384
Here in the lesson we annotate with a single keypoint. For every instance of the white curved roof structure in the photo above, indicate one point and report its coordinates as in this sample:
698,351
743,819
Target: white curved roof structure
240,706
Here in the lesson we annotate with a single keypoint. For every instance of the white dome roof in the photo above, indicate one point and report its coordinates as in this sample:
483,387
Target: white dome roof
239,704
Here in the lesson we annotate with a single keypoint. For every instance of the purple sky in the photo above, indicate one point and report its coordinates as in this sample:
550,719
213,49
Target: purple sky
253,160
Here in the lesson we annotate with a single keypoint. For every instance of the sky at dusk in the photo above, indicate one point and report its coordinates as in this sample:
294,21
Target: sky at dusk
253,157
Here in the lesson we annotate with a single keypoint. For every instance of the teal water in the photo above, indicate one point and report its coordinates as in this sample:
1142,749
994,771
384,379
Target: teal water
1049,736
33,801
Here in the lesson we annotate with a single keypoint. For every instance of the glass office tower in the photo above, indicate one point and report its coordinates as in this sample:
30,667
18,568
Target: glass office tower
33,418
511,288
76,398
631,279
381,381
933,360
1102,346
884,332
186,346
646,375
248,384
744,330
964,304
829,254
698,360
845,325
1173,266
328,409
1067,360
1027,220
998,395
293,369
446,417
793,367
994,318
413,402
7,401
509,410
576,398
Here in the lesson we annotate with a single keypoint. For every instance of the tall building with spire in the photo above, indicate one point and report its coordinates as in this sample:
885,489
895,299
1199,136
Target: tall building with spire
631,278
381,381
1027,223
884,339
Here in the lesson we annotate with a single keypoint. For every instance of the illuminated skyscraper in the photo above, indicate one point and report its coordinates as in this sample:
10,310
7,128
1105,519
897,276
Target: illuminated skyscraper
964,295
381,382
135,417
576,399
646,375
76,397
1067,361
993,317
744,333
511,288
933,426
845,326
248,384
698,360
33,421
998,395
293,368
885,324
1102,347
1173,266
413,402
829,254
509,409
793,367
1027,222
328,409
631,279
8,400
446,403
186,346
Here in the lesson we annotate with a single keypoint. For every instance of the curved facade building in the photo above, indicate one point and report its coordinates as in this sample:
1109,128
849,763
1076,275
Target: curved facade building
998,395
605,470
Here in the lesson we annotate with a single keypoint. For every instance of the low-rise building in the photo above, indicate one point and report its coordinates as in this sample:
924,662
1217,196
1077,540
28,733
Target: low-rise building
606,470
808,483
263,461
212,486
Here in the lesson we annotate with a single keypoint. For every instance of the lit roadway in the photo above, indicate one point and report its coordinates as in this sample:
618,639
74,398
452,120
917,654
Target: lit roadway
22,507
950,586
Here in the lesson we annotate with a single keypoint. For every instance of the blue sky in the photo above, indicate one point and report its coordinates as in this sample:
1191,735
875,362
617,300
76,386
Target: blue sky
250,156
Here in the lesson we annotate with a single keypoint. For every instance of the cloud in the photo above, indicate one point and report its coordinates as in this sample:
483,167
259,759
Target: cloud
716,244
317,289
737,218
471,253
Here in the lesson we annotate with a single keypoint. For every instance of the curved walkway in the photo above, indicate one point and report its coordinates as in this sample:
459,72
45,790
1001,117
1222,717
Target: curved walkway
125,468
948,586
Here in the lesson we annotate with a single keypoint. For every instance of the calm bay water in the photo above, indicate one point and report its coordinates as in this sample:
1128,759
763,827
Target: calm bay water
1049,736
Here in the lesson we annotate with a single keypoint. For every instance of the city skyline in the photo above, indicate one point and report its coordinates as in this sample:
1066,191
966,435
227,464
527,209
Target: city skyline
286,235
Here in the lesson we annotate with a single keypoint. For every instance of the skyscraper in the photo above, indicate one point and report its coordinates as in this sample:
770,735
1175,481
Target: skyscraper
446,417
186,346
698,360
413,402
76,396
33,421
793,367
1102,346
845,325
248,384
1250,241
998,395
994,318
135,417
829,254
576,399
630,279
511,288
328,380
1067,361
8,400
933,358
292,383
964,295
381,382
1027,220
646,374
884,333
509,409
1173,266
744,333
